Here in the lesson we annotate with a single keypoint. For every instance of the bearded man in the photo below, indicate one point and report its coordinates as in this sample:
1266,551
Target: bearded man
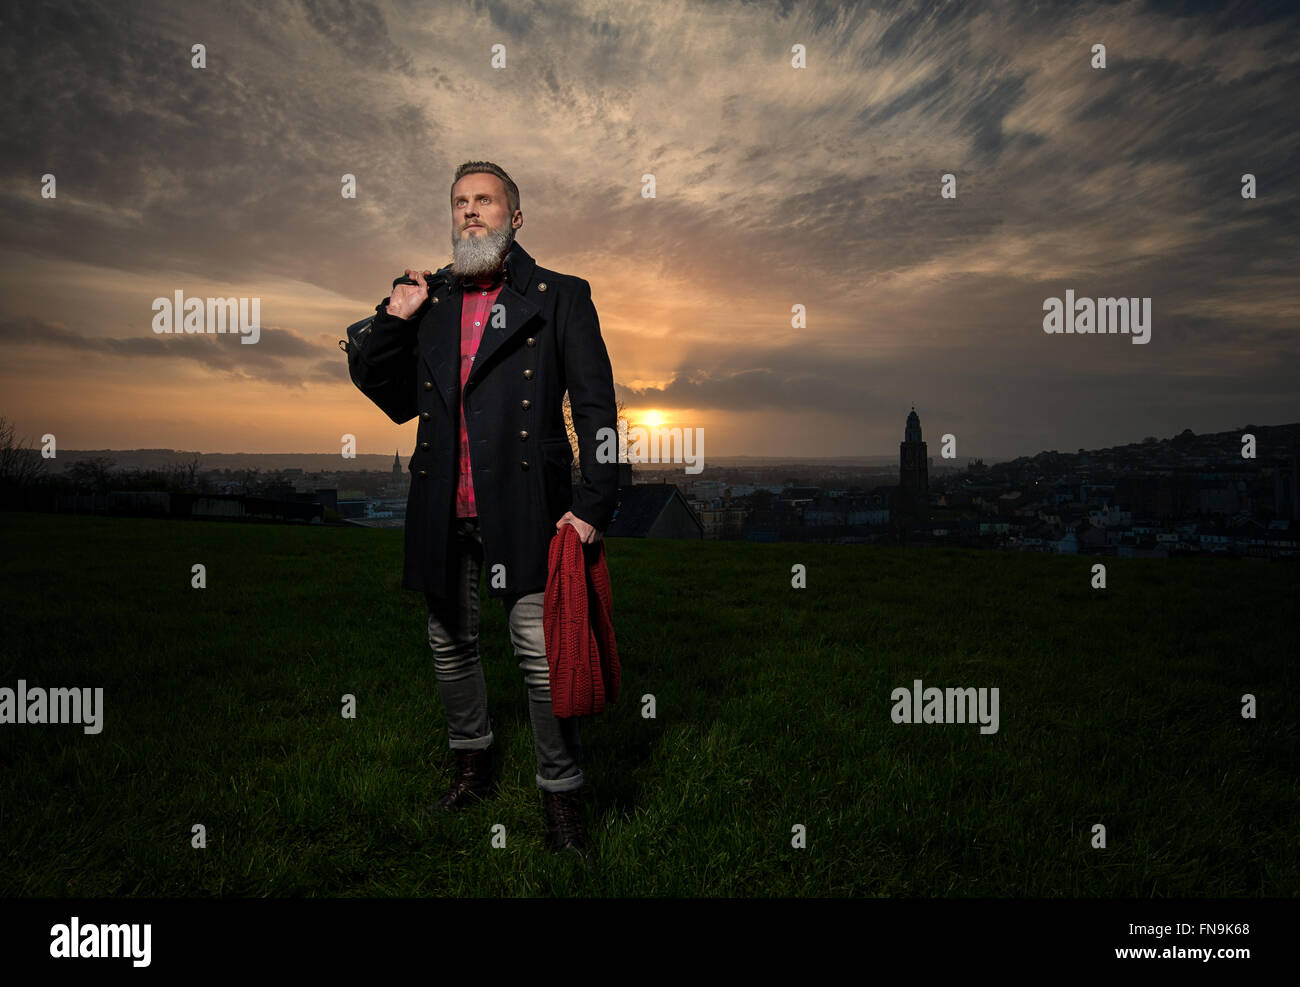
483,352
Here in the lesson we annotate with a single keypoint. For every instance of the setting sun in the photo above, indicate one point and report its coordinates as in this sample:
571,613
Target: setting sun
649,419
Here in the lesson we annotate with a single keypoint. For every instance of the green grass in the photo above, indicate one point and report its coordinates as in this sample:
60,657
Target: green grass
222,707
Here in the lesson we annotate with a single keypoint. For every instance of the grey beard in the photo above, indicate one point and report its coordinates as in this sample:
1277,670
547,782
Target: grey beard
478,255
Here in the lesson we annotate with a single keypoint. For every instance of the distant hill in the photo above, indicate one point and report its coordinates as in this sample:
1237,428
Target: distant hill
267,462
1272,441
310,462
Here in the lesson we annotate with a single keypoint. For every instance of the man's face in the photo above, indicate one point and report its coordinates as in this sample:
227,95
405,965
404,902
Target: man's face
482,226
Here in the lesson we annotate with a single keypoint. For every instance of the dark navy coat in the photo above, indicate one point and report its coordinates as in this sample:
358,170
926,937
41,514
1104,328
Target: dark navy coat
513,404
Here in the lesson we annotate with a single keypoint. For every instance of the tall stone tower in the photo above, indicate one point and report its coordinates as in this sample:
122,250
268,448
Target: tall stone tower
913,465
397,465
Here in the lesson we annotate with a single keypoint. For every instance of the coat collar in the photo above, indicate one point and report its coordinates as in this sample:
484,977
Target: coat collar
439,333
518,268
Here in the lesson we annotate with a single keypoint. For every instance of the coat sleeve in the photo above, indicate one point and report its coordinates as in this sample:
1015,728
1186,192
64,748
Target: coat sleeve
590,381
382,362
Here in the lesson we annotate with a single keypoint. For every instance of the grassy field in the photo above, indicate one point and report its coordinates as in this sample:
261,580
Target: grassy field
222,707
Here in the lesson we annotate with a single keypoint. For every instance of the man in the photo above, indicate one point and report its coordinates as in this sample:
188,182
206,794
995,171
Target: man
483,353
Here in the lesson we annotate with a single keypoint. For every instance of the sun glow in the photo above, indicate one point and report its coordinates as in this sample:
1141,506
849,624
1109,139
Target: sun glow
648,419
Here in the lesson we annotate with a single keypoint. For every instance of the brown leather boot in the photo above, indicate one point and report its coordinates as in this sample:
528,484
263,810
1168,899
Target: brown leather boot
565,828
473,782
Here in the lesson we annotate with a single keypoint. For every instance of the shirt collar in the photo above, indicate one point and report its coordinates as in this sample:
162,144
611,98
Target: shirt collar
484,282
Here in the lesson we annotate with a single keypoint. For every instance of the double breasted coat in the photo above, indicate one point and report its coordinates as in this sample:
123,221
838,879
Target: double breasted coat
547,342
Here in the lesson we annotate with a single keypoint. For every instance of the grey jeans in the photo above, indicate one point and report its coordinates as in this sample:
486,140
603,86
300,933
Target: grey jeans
453,636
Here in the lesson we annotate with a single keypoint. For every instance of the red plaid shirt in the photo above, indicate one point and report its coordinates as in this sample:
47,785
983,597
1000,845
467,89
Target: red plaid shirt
475,311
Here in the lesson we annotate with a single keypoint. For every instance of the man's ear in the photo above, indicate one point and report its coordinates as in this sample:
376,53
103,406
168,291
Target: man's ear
517,220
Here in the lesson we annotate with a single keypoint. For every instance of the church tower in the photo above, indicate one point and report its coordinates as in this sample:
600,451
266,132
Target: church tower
397,465
913,464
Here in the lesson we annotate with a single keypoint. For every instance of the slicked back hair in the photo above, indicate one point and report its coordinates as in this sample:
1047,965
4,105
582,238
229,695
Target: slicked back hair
487,167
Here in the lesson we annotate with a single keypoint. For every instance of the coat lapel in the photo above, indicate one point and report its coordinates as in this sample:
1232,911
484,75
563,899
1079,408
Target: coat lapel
440,343
518,311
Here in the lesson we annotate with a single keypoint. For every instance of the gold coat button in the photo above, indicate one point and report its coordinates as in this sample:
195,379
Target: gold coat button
541,285
525,404
523,434
428,385
424,446
528,375
435,299
524,465
425,416
530,341
421,473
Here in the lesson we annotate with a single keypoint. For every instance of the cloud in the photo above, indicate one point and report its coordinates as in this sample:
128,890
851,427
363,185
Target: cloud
774,186
276,356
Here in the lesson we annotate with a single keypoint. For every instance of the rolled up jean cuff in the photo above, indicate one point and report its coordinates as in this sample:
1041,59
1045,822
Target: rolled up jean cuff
562,785
481,744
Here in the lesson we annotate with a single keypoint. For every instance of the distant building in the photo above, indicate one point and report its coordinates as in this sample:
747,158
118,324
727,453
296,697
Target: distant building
653,510
1286,497
398,485
351,507
913,465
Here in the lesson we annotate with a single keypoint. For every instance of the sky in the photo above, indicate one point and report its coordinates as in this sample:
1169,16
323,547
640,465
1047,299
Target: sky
775,186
